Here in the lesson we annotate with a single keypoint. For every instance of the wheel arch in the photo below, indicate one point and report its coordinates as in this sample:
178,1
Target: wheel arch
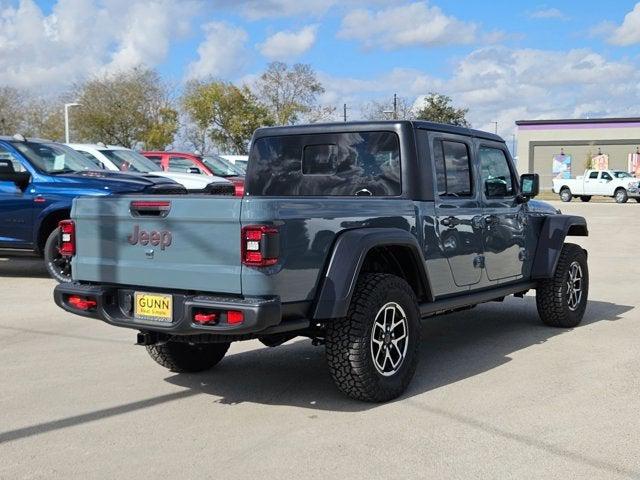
376,250
47,224
553,233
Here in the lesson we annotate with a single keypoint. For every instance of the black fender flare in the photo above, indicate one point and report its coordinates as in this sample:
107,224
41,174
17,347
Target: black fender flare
552,236
350,249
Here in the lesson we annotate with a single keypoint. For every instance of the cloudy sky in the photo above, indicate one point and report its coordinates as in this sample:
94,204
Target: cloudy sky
504,60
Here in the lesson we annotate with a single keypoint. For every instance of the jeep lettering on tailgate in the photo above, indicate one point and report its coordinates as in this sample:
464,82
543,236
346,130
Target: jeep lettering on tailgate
162,238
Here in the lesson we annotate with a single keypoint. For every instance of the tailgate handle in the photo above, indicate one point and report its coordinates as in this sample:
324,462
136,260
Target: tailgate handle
150,208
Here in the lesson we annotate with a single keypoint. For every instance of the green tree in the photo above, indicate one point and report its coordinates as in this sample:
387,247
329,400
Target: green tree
289,92
127,108
438,108
223,112
44,118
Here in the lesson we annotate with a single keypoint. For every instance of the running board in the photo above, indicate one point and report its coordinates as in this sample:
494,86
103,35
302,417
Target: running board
474,298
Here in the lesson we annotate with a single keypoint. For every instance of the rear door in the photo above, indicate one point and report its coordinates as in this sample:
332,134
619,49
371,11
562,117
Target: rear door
186,242
504,218
457,207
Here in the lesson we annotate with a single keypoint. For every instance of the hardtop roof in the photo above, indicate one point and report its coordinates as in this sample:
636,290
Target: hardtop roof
337,127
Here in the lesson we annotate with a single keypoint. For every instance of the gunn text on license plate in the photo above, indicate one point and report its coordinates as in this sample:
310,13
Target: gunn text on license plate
153,306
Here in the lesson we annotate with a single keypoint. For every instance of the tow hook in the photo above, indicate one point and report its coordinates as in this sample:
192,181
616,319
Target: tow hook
151,338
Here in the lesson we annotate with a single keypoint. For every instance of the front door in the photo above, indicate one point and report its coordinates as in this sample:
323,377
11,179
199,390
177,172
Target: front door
457,208
503,219
16,207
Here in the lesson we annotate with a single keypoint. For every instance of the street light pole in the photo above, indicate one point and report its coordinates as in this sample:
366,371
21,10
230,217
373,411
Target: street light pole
496,124
66,119
395,106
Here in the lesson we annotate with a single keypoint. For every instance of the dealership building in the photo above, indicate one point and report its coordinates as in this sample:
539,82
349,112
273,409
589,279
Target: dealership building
565,148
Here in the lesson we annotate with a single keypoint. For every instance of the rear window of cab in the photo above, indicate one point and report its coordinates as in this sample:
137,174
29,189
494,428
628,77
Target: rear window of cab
328,164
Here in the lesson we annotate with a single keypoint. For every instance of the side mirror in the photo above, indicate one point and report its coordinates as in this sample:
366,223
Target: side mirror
193,170
529,185
21,179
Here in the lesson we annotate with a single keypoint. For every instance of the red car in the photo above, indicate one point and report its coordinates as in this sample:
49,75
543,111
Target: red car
191,163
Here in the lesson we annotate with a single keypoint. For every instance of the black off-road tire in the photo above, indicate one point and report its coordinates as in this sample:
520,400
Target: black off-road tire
349,347
565,194
552,295
585,198
620,195
58,266
182,357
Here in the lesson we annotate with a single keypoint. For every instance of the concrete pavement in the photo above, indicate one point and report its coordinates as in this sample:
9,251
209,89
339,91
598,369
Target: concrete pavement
496,395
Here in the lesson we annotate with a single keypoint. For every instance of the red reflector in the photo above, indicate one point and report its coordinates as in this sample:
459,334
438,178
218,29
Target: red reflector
67,245
235,317
81,303
203,318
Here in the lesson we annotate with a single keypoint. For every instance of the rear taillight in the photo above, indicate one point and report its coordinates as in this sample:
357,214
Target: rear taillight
260,245
81,303
67,238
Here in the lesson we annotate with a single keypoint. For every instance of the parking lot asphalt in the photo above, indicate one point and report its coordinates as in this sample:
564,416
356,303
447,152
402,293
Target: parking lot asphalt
496,394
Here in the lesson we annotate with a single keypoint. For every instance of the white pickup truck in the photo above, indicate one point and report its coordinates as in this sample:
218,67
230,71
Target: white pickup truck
617,184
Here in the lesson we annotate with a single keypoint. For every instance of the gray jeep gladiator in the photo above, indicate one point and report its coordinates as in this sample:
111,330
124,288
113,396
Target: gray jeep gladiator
348,234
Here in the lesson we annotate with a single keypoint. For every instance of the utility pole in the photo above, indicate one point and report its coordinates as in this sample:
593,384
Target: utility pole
496,124
66,119
3,126
395,106
344,112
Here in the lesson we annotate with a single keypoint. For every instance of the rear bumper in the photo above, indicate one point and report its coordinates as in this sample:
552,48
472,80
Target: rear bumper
114,305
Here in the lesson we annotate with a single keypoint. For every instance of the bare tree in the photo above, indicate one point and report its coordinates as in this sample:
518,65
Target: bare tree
384,110
288,92
11,110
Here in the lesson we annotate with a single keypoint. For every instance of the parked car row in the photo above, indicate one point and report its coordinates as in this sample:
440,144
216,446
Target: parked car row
39,180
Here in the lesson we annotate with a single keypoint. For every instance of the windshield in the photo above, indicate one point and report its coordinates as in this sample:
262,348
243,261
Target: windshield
130,161
220,167
621,174
54,158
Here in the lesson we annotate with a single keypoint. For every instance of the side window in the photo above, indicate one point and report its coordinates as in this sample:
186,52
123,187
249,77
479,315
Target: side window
606,176
593,175
180,164
497,179
91,157
156,160
453,169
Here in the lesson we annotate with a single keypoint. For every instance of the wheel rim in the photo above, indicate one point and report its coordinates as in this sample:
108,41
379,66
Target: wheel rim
620,196
574,286
565,195
389,339
60,263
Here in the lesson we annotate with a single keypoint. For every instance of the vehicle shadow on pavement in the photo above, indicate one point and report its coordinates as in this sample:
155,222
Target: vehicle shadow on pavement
454,347
22,266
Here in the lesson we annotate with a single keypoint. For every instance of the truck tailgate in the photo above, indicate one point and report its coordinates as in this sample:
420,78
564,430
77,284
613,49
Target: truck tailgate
182,242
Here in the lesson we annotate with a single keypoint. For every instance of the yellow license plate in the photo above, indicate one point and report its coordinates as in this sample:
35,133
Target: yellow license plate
153,306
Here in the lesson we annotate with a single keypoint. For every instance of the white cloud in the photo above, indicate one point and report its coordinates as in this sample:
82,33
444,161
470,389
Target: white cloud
547,13
222,53
412,24
629,32
504,85
81,38
288,45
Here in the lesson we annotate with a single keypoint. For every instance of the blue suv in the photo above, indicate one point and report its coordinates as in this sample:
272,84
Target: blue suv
39,180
